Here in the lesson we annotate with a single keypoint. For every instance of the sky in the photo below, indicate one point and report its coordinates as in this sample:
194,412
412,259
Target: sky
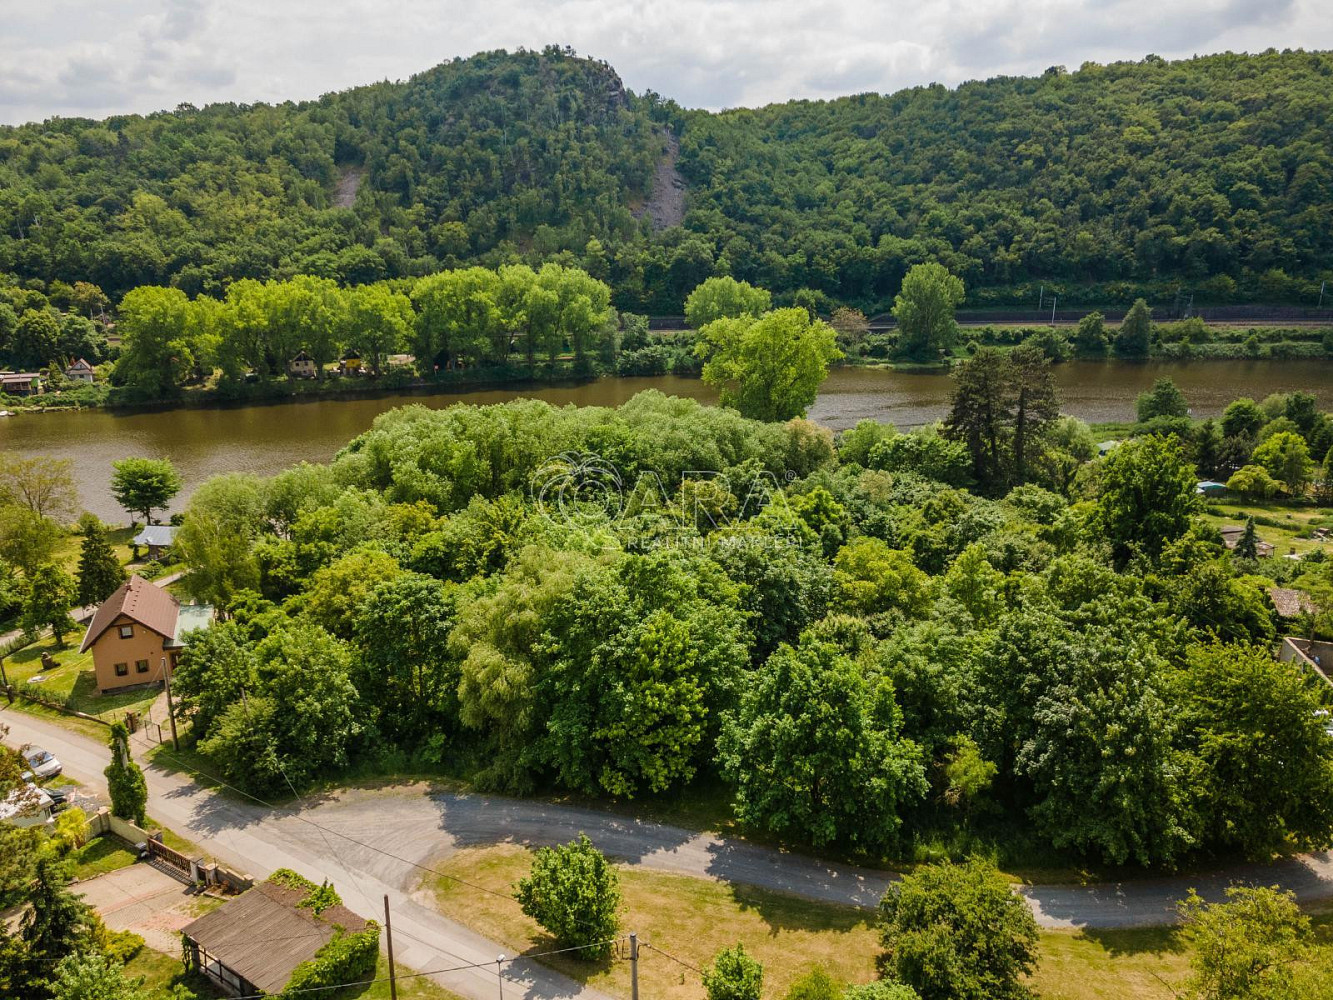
95,58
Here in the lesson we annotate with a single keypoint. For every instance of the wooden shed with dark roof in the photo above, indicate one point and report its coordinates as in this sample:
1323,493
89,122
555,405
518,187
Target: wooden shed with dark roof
255,942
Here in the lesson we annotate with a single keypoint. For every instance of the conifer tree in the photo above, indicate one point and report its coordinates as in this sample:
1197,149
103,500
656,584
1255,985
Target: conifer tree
100,572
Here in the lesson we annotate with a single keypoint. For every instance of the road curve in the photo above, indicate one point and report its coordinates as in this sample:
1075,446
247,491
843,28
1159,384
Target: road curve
407,826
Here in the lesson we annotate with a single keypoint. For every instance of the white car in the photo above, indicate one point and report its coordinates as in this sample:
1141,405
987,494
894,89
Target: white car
42,763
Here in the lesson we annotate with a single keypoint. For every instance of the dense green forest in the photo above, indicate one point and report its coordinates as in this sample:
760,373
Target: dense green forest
1213,176
879,641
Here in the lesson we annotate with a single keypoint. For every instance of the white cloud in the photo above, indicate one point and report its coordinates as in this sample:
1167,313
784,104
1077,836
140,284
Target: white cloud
69,57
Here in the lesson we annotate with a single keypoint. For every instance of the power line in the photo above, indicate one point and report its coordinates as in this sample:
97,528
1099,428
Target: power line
435,972
679,961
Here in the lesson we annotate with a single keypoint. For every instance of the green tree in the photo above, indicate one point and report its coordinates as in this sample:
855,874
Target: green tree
216,668
1147,497
1134,336
1264,774
725,298
405,673
769,368
157,327
50,593
924,309
574,893
1254,481
1164,399
872,578
1090,336
124,781
958,932
734,975
301,722
42,485
980,412
1248,545
815,750
100,572
27,540
880,990
56,924
93,976
379,320
142,485
1036,403
1246,948
222,521
1287,459
1243,418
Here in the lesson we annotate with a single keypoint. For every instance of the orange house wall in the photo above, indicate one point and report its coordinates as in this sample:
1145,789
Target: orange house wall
110,649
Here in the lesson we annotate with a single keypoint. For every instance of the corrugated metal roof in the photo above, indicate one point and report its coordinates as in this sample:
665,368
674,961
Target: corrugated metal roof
156,534
263,935
136,598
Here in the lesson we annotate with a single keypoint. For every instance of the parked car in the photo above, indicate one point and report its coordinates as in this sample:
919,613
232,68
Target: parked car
28,806
42,763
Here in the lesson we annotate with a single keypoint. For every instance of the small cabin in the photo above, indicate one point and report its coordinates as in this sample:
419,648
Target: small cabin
351,364
80,371
302,366
157,538
21,383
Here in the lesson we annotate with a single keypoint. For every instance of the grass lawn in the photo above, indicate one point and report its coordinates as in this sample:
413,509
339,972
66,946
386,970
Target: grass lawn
1292,520
101,855
72,679
66,553
693,918
687,917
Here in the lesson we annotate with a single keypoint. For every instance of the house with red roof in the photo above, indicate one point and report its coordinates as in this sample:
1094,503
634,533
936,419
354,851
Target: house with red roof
137,634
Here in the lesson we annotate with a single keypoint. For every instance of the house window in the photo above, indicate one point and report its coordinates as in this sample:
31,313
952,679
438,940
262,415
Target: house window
127,631
141,666
122,669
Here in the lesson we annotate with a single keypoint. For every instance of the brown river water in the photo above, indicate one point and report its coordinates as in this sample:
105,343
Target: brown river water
267,438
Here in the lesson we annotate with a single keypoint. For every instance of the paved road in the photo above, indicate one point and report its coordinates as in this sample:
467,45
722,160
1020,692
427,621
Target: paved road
415,824
258,840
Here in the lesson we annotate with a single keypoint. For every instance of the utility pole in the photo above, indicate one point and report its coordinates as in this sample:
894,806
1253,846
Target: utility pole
500,976
1321,293
633,966
171,710
388,930
1041,295
1054,300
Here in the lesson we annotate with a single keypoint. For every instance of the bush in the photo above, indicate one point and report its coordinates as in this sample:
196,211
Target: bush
347,958
880,990
734,976
573,892
958,932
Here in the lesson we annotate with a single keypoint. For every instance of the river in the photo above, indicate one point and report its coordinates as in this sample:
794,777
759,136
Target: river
266,438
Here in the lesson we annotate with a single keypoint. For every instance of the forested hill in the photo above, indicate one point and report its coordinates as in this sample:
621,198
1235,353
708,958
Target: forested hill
1212,176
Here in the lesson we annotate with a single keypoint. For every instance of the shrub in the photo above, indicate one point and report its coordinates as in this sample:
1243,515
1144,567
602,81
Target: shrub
734,976
347,958
573,892
958,932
